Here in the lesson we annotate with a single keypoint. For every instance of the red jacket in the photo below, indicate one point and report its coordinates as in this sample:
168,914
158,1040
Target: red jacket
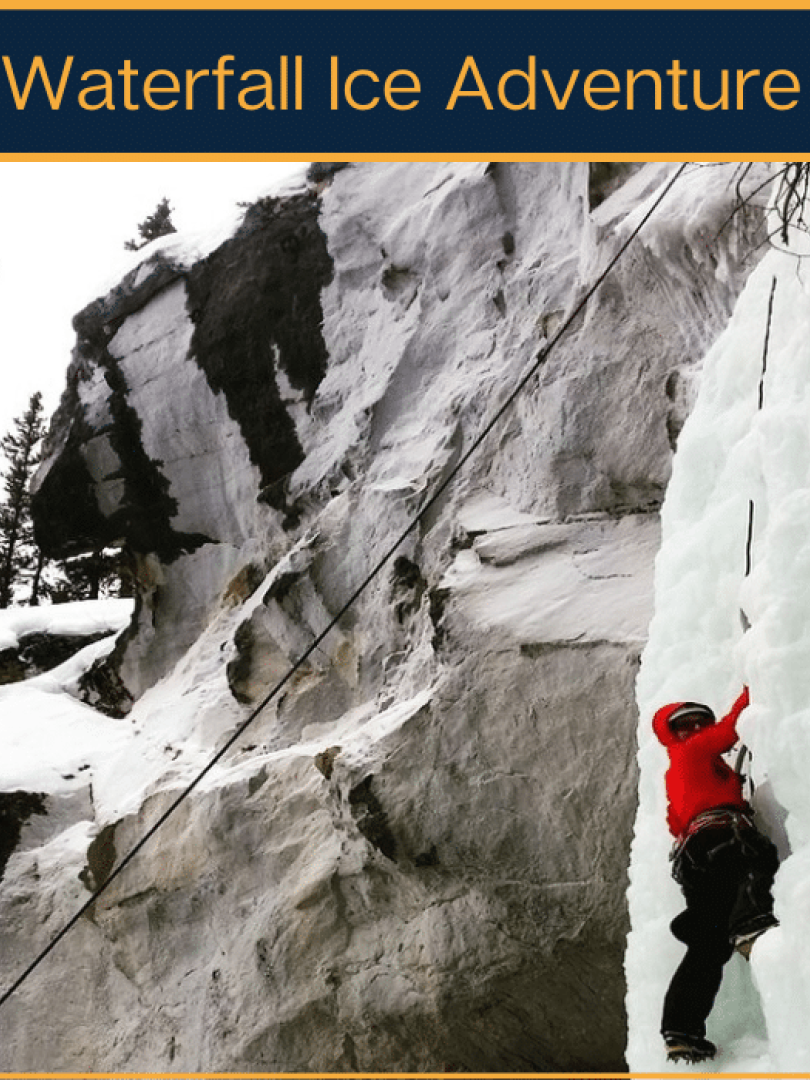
698,779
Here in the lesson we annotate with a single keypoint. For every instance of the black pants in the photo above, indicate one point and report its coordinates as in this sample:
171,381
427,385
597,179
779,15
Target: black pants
726,876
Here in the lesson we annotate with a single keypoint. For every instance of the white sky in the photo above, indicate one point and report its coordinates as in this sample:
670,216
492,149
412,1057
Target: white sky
62,230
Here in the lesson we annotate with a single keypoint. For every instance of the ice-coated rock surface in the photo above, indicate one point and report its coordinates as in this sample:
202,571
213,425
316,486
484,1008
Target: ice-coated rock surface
415,859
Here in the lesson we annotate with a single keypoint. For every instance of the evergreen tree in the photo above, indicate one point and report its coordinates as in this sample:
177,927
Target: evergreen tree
89,577
157,224
19,557
26,576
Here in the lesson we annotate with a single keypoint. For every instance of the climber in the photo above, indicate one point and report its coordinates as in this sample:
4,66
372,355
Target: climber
724,865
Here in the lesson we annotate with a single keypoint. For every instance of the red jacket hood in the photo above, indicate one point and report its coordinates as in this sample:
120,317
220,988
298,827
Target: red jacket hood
661,723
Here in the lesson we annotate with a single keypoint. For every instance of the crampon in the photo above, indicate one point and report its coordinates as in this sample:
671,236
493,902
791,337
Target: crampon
689,1048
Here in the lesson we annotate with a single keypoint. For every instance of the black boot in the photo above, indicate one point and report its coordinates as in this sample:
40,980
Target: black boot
744,938
692,1048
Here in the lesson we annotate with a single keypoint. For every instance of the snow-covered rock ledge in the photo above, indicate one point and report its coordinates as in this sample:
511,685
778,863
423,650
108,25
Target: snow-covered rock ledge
416,857
37,639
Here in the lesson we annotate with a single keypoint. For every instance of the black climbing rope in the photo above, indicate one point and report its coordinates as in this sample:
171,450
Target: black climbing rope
760,401
761,397
744,754
538,362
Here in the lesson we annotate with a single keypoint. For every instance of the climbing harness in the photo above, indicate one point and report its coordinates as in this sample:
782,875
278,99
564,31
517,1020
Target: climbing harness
738,831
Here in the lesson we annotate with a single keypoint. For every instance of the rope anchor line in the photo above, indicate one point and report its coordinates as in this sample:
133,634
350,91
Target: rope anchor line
760,402
744,754
539,360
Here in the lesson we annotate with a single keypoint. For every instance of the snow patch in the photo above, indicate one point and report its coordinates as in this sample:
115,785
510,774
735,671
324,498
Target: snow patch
577,582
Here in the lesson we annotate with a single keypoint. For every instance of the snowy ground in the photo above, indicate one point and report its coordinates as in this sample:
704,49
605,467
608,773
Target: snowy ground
64,746
61,737
730,451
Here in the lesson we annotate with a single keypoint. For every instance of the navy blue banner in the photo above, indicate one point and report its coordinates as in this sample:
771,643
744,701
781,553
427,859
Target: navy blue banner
297,83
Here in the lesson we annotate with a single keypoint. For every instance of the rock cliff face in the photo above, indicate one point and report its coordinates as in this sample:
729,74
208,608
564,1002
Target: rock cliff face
415,858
